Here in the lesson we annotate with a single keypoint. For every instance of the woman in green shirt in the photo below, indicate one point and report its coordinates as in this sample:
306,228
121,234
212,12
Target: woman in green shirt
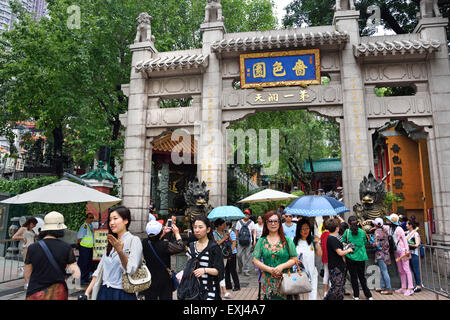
356,261
274,254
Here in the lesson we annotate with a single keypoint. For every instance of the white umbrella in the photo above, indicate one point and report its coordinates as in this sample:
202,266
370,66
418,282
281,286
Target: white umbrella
65,191
267,195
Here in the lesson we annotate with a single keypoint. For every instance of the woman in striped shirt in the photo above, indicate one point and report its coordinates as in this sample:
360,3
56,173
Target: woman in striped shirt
211,268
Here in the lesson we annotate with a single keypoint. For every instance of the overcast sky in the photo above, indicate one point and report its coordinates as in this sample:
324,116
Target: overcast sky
279,7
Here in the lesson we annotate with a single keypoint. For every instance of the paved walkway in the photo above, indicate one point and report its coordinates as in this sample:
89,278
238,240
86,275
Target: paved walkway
249,291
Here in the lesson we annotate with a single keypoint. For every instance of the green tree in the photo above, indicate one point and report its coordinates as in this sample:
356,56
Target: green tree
397,15
68,80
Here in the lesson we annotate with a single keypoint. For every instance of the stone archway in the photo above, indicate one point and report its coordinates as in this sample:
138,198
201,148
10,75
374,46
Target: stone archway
354,64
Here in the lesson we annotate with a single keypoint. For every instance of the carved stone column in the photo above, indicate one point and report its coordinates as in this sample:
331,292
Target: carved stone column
138,150
211,158
439,144
355,143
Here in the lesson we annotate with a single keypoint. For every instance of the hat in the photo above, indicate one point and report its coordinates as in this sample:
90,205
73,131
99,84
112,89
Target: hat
53,221
378,222
247,211
394,218
153,228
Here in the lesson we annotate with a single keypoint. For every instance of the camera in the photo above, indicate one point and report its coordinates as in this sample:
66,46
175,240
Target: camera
349,246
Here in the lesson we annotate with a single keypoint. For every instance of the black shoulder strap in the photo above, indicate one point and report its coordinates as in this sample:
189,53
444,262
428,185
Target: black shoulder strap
157,257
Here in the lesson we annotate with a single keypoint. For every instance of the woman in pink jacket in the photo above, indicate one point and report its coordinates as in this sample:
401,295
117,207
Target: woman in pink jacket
402,255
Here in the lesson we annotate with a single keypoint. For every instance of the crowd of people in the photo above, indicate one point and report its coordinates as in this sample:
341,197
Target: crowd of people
222,252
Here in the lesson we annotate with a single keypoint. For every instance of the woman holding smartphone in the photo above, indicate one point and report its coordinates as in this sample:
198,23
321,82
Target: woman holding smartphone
123,253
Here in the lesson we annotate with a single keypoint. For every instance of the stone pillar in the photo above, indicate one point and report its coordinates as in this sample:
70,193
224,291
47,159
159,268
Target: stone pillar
354,136
439,143
138,150
164,189
211,156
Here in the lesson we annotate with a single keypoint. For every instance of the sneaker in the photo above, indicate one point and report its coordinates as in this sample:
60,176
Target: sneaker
387,292
355,298
379,290
371,298
417,289
227,295
401,290
409,292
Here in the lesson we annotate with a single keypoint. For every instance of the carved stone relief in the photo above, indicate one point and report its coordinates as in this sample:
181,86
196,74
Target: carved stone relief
418,105
283,97
175,86
375,73
173,117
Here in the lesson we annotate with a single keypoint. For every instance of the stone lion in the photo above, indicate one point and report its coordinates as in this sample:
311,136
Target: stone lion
428,8
345,5
213,11
144,29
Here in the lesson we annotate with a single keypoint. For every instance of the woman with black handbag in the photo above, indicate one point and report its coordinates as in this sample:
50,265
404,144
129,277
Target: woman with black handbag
157,252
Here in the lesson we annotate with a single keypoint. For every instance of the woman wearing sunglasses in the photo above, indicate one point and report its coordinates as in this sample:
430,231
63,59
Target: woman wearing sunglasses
274,254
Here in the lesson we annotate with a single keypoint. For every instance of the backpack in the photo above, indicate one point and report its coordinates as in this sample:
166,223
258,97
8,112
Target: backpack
244,234
190,287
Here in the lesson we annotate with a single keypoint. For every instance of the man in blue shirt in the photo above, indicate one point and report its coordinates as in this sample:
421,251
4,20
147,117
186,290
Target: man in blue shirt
289,227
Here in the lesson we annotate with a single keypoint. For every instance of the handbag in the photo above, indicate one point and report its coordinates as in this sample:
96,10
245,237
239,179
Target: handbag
138,281
97,284
172,273
294,283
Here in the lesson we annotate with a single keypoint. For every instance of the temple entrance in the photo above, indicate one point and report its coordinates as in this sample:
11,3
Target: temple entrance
281,70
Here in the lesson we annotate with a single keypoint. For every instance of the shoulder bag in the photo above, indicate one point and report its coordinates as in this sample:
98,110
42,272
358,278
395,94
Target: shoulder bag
172,274
294,283
139,281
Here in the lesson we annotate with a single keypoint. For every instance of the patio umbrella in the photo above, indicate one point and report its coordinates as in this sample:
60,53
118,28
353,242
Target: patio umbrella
226,213
65,191
313,206
267,195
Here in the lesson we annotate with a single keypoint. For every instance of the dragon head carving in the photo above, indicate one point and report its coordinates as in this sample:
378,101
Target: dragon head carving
371,191
196,194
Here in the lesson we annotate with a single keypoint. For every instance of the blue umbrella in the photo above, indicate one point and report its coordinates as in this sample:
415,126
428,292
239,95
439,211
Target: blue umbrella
313,206
226,213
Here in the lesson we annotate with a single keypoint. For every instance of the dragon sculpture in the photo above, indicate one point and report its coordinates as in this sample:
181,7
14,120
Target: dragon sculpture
196,198
372,193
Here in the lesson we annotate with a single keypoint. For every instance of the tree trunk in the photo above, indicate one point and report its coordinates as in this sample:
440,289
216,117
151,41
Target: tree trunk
58,140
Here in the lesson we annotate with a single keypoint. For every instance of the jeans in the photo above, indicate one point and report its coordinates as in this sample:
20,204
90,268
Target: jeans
385,280
414,263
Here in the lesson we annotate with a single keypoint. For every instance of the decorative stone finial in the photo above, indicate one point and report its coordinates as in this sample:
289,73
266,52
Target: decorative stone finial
345,5
144,29
213,11
429,9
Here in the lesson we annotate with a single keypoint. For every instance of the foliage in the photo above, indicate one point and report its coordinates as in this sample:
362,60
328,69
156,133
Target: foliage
68,80
74,213
303,135
390,199
397,15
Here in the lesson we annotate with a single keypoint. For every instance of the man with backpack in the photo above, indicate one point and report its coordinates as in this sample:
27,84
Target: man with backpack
246,240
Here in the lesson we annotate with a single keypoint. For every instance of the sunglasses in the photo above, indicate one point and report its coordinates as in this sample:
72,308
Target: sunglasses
273,221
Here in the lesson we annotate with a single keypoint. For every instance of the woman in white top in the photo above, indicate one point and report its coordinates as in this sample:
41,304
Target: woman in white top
307,247
259,227
27,235
123,253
